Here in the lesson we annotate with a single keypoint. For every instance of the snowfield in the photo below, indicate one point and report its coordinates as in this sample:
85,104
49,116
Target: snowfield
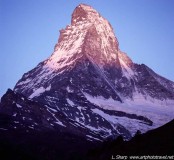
159,112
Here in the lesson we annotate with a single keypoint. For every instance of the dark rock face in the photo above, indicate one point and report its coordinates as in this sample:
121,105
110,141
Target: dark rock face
25,114
20,113
148,83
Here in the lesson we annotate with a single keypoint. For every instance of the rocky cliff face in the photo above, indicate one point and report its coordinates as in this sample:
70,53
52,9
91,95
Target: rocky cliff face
90,85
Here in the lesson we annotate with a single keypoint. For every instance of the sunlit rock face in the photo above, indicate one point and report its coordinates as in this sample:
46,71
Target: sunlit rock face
89,84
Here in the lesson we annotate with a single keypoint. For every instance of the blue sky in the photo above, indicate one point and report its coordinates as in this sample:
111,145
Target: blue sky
30,29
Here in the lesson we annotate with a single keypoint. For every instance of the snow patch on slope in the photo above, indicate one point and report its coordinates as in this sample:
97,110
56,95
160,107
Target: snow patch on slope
19,106
127,71
71,103
39,91
99,100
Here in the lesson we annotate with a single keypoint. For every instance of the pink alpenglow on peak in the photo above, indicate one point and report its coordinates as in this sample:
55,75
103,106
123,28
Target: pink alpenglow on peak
89,35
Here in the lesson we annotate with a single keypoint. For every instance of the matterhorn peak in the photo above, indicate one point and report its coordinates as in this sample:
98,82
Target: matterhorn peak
89,35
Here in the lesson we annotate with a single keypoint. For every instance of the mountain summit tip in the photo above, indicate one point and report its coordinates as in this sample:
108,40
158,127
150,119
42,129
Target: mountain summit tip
83,12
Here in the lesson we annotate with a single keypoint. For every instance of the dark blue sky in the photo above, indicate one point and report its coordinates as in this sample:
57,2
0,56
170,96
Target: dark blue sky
30,29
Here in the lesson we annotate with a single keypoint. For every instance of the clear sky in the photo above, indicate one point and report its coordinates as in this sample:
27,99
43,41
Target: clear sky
29,29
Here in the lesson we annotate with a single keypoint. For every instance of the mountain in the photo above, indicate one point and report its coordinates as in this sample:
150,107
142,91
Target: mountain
88,88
